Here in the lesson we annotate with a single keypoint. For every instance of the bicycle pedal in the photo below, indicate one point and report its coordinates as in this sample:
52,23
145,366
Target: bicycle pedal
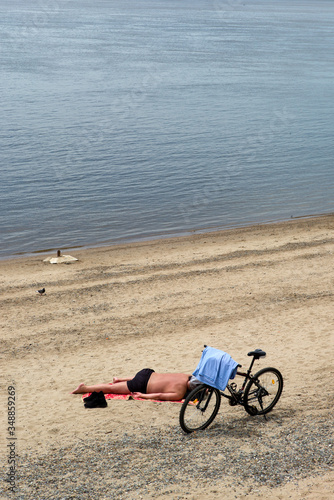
233,402
252,410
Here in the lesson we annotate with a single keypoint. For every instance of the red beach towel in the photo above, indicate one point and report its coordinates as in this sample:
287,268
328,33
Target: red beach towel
128,397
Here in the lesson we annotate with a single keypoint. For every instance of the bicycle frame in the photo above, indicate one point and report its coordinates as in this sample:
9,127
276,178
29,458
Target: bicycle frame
236,397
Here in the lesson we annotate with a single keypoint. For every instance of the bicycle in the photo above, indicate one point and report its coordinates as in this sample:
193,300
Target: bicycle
258,394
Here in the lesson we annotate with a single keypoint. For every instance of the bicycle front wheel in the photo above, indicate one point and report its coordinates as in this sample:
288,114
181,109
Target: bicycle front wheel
263,391
199,408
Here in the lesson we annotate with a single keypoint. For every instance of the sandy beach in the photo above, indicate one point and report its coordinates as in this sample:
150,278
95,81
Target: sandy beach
156,303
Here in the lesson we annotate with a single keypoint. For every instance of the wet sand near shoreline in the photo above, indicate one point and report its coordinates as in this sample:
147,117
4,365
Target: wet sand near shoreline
156,303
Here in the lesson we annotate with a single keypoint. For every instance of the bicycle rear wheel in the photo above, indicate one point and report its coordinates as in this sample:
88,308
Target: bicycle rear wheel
263,392
199,408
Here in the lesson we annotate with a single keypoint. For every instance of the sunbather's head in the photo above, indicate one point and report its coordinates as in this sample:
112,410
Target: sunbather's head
193,382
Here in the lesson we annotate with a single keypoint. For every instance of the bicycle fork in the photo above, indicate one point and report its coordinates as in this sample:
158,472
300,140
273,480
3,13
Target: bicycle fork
201,399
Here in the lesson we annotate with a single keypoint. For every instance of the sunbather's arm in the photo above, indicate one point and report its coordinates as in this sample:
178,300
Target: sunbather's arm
162,396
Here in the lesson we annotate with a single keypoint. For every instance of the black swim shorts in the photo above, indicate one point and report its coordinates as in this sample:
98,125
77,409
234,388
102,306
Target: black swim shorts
140,381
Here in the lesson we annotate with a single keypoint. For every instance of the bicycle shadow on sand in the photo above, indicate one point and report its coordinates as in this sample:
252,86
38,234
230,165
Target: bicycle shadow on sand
246,426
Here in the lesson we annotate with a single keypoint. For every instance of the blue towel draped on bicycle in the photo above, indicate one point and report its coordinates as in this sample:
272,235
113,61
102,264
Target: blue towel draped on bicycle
215,368
258,393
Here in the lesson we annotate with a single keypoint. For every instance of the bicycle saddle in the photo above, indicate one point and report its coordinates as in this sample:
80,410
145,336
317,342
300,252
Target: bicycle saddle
258,353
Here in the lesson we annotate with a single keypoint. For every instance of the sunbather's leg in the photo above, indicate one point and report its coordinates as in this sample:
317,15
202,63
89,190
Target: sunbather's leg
115,380
117,388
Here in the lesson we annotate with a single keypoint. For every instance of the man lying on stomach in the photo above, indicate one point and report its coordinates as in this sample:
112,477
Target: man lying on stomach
146,384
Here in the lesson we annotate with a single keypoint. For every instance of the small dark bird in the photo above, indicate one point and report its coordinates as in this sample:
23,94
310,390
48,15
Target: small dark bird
41,291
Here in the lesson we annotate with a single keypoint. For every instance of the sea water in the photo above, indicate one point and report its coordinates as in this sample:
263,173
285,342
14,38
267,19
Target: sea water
122,120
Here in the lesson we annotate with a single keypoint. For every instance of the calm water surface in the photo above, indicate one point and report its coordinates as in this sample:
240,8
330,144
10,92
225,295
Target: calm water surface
121,120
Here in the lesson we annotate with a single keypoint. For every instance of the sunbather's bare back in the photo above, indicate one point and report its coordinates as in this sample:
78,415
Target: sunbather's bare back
167,382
